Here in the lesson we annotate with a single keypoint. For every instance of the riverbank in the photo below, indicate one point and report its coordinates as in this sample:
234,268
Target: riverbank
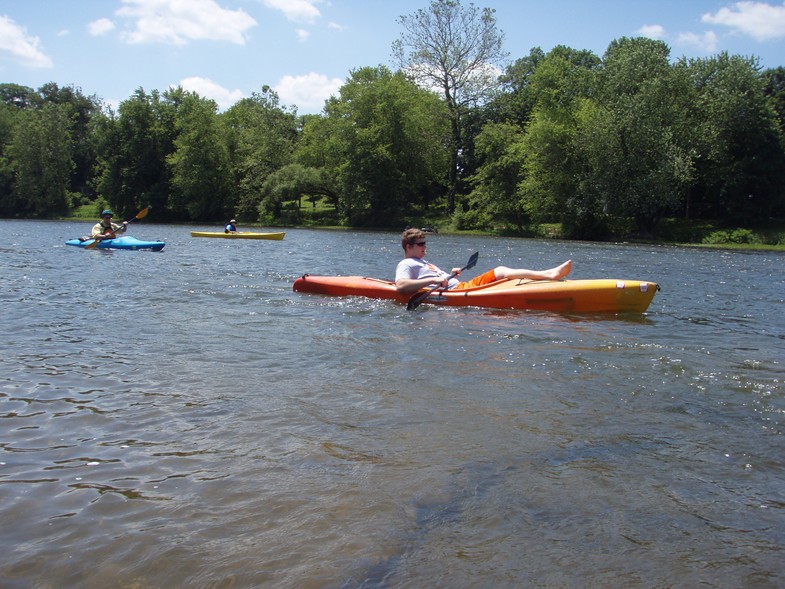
676,232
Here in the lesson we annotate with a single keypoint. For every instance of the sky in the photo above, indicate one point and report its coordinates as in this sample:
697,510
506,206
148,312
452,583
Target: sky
306,49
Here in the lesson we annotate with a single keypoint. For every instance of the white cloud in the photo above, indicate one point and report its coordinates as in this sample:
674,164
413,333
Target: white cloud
302,34
307,92
178,21
206,88
759,20
100,27
303,11
652,31
706,43
336,26
22,48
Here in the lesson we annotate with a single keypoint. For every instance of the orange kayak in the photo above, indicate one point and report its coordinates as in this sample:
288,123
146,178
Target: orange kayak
566,296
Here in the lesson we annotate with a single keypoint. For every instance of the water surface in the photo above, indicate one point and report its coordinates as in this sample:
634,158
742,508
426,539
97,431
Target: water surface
182,418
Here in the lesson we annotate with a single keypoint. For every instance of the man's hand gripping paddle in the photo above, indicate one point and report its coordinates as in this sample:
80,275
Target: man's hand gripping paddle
418,298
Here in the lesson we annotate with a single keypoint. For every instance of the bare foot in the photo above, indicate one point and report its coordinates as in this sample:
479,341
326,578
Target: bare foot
559,272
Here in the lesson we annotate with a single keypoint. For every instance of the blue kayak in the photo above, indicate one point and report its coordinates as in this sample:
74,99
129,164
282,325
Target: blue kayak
125,242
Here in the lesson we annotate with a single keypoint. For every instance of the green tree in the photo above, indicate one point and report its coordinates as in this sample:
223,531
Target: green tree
637,162
19,96
775,90
199,165
522,86
80,113
41,152
552,187
385,135
320,148
455,49
741,163
83,112
8,117
529,172
288,186
495,198
262,136
514,101
134,148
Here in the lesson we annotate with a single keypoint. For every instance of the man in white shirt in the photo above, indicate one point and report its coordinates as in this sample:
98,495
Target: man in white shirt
414,273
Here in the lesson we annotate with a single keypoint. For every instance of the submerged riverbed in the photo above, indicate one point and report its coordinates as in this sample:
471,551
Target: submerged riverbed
182,418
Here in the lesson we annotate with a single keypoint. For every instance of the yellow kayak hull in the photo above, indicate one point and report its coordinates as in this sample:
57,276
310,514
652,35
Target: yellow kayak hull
241,235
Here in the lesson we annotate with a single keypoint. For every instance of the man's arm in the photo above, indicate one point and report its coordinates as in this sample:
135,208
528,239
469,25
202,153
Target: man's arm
412,285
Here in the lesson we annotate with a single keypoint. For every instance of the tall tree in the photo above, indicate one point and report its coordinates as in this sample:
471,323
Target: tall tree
530,172
262,136
741,171
134,172
456,49
385,129
494,198
638,164
8,118
41,152
199,165
775,90
514,102
83,111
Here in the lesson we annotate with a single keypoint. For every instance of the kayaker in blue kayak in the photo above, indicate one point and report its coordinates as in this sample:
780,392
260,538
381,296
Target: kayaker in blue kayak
105,229
414,273
231,227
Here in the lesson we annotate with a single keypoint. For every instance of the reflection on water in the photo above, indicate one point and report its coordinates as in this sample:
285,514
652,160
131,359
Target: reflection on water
182,418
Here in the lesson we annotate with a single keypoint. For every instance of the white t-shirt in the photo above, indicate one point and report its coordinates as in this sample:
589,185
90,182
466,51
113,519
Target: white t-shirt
416,268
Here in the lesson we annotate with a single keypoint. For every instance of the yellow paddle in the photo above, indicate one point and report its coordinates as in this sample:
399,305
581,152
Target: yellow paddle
140,215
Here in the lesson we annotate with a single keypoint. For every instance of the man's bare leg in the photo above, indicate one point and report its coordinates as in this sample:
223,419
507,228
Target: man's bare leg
555,273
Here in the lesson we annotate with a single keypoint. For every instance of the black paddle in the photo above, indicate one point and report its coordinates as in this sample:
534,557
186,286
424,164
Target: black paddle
140,215
415,301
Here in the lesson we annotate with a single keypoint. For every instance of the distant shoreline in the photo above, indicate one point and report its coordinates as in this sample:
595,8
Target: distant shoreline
753,247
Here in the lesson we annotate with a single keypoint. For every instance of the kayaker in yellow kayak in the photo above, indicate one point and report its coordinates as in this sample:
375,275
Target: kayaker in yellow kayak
105,229
414,273
231,227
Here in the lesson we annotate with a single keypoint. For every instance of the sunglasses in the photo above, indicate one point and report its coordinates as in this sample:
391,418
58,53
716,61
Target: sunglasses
419,243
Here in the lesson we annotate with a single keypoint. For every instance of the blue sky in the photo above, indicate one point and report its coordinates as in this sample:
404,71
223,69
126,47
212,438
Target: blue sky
305,49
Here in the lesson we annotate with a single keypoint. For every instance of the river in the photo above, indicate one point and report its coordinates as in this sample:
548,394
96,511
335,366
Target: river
183,419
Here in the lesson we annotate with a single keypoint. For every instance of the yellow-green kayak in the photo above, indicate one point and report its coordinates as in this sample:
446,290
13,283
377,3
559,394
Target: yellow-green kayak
240,235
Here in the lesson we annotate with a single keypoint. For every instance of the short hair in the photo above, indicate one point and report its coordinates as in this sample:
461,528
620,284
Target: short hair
410,236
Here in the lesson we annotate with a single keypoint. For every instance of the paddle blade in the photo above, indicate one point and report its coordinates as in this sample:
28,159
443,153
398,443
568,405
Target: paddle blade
472,261
415,301
90,246
143,213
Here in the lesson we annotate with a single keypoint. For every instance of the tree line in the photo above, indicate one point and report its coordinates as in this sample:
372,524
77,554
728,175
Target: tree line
569,137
